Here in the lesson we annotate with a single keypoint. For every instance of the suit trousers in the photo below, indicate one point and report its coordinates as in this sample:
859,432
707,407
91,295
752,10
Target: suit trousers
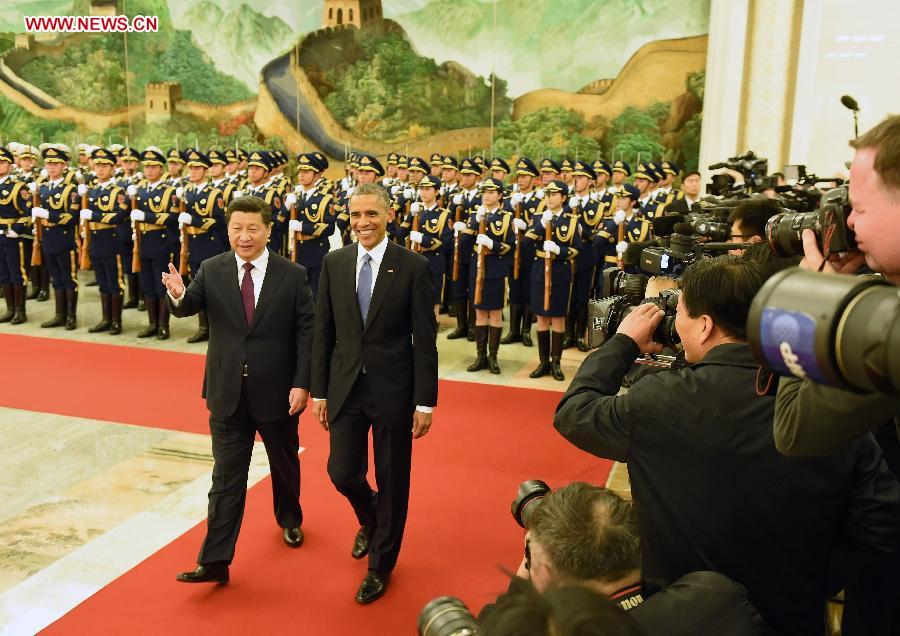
232,446
384,512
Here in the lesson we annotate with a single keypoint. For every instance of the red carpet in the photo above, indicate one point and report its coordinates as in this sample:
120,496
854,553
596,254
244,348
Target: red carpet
485,441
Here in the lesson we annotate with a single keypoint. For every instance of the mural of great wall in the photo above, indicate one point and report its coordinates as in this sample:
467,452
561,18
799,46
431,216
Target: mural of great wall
305,95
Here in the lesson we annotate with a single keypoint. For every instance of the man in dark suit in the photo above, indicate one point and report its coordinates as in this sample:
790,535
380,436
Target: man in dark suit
260,312
374,364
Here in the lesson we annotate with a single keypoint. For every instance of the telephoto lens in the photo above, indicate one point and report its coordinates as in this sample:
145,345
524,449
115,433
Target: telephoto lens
829,328
528,497
447,616
784,232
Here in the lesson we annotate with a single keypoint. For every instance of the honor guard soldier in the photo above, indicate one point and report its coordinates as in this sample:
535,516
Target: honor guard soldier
464,203
430,229
450,179
129,158
323,184
203,219
106,211
566,167
312,220
26,156
232,164
625,227
646,206
155,216
217,163
557,255
522,204
602,193
499,169
620,171
129,176
550,170
437,164
84,163
258,166
15,226
390,177
667,194
590,218
402,180
57,215
418,168
175,162
493,229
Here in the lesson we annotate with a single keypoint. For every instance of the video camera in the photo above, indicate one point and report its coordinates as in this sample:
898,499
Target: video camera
605,316
829,222
685,247
829,328
753,168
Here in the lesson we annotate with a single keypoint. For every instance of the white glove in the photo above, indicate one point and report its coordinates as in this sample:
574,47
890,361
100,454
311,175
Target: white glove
350,191
415,207
39,213
131,191
82,189
539,194
482,239
32,187
44,173
516,198
546,217
459,226
86,214
184,218
238,193
290,199
552,247
409,193
385,182
621,246
480,213
520,225
298,189
293,226
619,217
11,233
179,191
416,237
457,199
574,203
138,215
394,190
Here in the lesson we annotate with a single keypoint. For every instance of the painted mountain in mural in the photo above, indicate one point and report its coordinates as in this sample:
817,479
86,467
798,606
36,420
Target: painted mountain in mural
563,44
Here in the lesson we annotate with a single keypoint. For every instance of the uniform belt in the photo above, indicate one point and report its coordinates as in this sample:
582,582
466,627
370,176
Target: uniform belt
151,227
194,231
96,225
8,221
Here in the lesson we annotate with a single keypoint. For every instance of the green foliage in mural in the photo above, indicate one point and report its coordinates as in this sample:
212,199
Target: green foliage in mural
548,132
392,94
18,124
690,141
635,133
695,83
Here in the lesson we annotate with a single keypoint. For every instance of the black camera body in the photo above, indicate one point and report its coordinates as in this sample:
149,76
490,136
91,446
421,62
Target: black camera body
605,316
753,168
829,223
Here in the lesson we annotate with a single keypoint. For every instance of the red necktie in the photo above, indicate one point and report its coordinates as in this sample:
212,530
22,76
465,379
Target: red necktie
247,293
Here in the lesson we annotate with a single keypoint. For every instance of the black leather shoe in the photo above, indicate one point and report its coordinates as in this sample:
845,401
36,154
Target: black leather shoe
217,573
360,543
293,537
372,587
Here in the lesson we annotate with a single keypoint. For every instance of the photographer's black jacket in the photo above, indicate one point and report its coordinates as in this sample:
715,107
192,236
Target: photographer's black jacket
713,493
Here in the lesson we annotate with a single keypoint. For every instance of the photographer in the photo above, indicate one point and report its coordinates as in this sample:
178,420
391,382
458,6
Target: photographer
748,221
812,419
711,491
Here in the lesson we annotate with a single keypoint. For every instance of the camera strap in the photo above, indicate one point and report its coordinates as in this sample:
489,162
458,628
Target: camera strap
766,382
628,597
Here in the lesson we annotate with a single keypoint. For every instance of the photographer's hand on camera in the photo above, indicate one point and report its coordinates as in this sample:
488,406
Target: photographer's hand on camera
848,263
640,324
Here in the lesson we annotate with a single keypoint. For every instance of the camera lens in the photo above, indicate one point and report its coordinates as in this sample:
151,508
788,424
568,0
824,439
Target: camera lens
528,497
447,616
784,231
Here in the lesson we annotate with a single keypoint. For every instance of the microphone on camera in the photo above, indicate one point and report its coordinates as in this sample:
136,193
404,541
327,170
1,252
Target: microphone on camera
849,103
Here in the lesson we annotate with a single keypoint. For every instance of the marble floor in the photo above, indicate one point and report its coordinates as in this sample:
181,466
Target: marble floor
83,501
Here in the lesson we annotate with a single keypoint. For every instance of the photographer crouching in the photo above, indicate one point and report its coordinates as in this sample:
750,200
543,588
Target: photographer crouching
710,489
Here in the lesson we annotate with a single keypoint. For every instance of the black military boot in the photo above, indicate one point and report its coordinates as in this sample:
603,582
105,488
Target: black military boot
34,275
515,325
153,315
106,307
556,349
481,336
202,332
59,319
581,329
7,289
132,301
164,321
459,306
569,338
19,302
543,368
493,348
115,315
527,317
470,332
71,308
44,277
142,306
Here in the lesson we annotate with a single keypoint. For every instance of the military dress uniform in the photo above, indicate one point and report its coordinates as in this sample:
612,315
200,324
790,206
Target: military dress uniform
15,226
590,217
436,228
635,229
175,157
314,224
463,203
107,211
156,220
270,195
58,214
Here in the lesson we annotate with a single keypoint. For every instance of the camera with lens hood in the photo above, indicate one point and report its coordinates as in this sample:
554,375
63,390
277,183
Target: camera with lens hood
829,223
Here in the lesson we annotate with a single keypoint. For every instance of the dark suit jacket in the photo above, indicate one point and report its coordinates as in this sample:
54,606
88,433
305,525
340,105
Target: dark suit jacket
397,344
275,348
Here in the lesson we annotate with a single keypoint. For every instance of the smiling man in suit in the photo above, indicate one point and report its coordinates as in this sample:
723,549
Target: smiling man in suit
260,313
374,365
